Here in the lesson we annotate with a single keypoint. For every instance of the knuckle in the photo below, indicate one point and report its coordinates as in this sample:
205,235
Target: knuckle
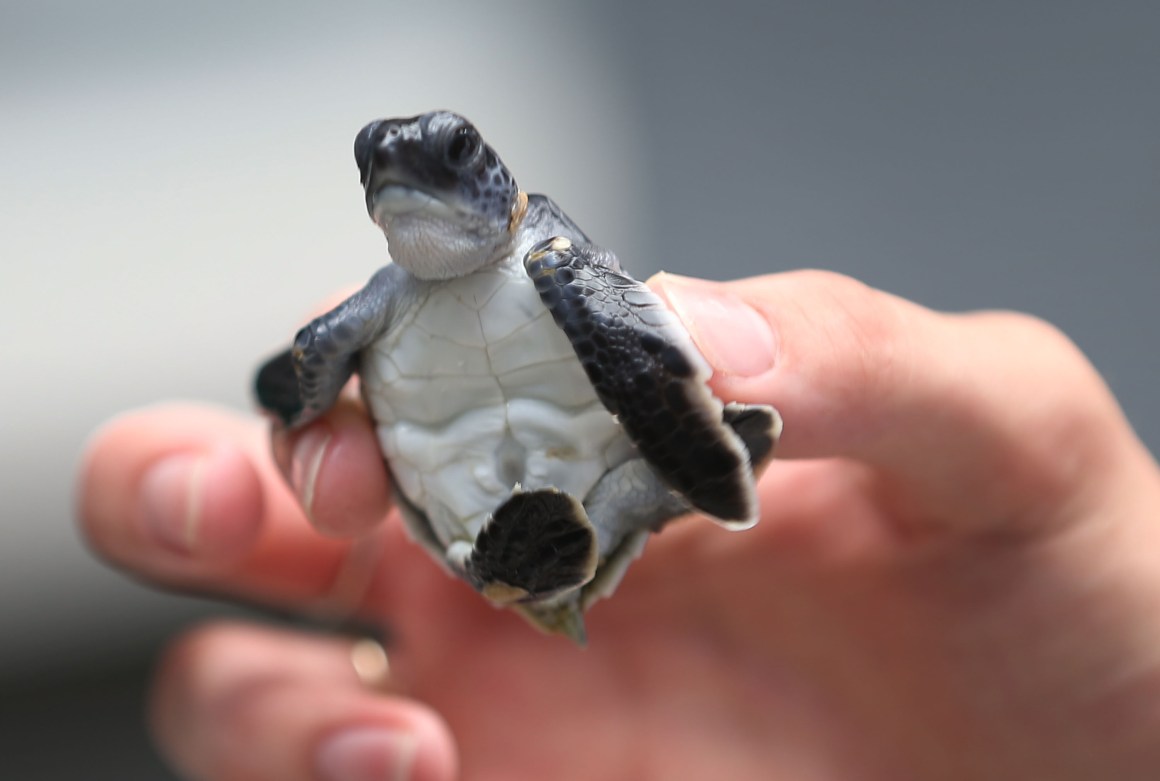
865,329
188,667
1068,380
181,685
1073,426
202,696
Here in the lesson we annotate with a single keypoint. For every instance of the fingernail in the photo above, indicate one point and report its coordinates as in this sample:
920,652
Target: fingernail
366,754
306,463
734,338
171,501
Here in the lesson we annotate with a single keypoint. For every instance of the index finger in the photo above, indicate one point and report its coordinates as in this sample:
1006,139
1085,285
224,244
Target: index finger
977,418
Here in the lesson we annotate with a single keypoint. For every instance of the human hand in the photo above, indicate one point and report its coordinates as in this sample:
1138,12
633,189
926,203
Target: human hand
955,576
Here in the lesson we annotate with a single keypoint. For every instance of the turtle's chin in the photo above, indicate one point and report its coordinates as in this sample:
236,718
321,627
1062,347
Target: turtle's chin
431,246
432,238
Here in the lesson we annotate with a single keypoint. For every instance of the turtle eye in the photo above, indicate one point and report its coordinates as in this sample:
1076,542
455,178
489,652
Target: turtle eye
463,145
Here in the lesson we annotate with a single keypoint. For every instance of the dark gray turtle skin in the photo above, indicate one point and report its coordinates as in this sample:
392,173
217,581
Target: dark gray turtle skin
540,411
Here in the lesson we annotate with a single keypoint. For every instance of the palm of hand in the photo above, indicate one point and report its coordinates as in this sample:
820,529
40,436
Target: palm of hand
790,651
952,582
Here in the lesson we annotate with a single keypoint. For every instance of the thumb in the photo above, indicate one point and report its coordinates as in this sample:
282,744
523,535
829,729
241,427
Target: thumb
979,416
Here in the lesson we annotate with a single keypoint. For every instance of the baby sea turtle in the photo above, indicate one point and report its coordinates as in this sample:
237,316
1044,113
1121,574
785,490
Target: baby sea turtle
540,411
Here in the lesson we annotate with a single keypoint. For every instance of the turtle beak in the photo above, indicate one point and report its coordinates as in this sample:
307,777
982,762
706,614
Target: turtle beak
384,151
364,150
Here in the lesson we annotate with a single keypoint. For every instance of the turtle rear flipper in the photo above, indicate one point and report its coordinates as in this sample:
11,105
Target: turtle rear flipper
536,545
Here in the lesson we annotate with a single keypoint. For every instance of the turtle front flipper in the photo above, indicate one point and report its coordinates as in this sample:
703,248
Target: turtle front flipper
537,545
645,369
276,387
301,383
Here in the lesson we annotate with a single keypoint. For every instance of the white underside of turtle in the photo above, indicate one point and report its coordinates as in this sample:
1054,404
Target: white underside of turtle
476,393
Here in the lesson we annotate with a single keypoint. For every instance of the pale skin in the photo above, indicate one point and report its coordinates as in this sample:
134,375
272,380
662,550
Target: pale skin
956,576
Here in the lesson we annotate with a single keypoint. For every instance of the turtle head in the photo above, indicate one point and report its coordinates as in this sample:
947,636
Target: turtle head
445,201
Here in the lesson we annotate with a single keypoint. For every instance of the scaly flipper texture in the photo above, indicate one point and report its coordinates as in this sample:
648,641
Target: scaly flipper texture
300,384
537,544
646,371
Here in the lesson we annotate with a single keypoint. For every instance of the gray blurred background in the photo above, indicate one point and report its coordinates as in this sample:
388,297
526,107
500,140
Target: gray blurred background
177,189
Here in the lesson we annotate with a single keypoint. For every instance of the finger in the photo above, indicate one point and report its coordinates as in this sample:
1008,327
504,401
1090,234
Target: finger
976,417
188,495
238,702
334,465
335,468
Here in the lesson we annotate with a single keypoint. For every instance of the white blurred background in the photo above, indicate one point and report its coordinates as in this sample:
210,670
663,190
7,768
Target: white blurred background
177,188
